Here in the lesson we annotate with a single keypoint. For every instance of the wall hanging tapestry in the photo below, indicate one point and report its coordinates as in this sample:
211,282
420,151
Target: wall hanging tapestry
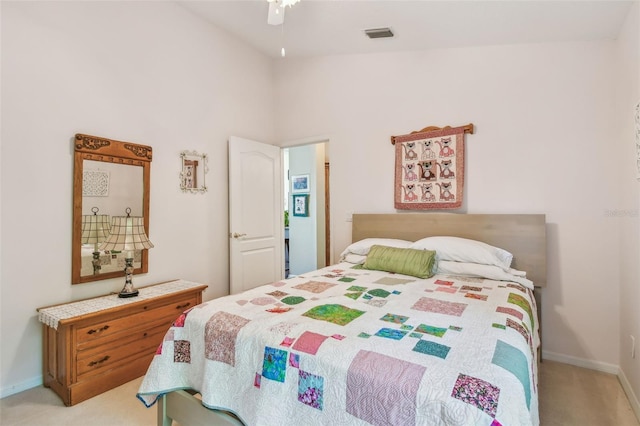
429,168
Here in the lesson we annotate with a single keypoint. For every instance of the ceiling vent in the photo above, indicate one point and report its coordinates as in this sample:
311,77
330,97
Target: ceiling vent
378,33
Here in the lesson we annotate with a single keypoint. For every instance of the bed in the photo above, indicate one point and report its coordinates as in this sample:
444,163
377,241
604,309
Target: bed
371,339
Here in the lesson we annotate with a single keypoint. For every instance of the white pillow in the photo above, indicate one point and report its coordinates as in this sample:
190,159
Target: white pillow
465,250
491,272
362,247
356,259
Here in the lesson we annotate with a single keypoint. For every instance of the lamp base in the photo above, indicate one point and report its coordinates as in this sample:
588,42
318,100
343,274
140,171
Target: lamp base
124,294
128,290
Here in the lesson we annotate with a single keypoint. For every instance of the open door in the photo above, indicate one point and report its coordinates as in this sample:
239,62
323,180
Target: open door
256,221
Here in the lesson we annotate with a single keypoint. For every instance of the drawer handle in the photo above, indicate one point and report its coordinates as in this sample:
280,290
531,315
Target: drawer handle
183,306
100,361
100,330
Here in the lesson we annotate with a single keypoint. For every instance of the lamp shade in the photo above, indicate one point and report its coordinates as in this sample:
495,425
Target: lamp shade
127,233
95,228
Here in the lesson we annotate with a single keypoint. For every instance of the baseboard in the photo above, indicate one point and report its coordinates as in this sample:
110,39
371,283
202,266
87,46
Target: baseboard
633,398
581,362
19,387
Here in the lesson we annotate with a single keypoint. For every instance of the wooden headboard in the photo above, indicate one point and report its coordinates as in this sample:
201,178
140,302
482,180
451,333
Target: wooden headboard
523,235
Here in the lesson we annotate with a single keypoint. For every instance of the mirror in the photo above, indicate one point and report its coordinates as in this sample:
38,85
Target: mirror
194,169
109,176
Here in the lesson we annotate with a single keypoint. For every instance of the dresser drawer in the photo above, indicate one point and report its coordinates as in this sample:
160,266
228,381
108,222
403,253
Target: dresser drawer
94,334
99,358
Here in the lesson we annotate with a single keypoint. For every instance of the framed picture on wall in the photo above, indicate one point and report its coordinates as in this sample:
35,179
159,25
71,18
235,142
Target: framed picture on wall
301,205
299,183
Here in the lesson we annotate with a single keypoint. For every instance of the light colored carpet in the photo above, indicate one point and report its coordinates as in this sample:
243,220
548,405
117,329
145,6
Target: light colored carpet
572,395
568,396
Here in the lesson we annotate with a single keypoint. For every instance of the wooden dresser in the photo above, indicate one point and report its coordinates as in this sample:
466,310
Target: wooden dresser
97,344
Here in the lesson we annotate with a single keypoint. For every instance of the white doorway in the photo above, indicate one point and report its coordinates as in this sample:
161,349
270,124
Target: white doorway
307,236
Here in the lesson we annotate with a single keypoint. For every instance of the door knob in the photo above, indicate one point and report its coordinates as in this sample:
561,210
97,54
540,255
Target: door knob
236,235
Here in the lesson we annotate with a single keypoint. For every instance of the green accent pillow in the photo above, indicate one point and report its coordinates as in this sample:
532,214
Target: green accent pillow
417,263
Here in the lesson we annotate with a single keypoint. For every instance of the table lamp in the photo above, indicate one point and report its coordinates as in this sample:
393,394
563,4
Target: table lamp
95,229
127,234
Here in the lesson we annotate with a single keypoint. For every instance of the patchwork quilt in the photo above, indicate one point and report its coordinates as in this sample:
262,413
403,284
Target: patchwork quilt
352,346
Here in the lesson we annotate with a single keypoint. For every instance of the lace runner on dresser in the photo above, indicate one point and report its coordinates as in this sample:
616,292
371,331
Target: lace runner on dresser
51,316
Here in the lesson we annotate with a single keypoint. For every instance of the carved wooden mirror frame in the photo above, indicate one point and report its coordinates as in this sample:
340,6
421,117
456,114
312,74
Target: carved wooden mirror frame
105,150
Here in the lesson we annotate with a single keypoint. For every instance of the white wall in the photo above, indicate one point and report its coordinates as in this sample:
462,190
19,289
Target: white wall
628,95
545,118
145,72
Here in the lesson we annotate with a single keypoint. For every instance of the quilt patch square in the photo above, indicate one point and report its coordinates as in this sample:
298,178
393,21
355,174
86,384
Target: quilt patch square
310,389
294,360
520,301
220,335
170,335
277,293
314,286
428,329
443,282
262,301
179,322
378,292
477,296
514,361
449,290
517,287
470,288
279,310
182,351
378,303
373,377
287,341
336,314
517,327
477,392
428,304
346,279
357,288
393,281
510,311
293,300
309,342
396,319
391,333
432,348
274,365
283,327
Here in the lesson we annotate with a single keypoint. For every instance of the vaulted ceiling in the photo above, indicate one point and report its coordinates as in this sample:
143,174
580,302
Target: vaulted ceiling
330,27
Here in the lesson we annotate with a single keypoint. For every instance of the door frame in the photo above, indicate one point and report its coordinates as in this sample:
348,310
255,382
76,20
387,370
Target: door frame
312,140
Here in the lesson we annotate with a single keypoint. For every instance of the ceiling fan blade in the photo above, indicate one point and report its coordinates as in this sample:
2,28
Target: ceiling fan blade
276,13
